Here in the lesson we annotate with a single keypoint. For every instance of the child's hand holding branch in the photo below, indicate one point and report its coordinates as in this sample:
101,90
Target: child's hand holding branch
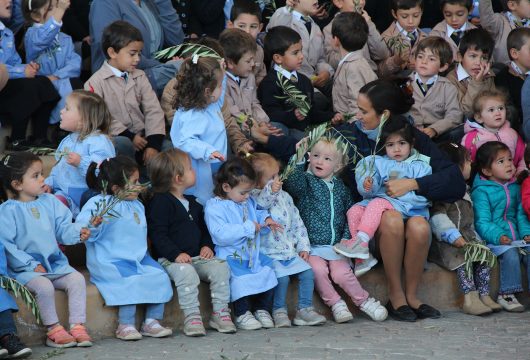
276,185
460,242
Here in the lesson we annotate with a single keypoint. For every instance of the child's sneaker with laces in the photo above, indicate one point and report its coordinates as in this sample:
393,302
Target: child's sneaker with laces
222,321
363,266
281,319
341,314
352,248
247,321
58,337
374,309
13,348
308,317
154,329
127,333
193,325
510,303
265,318
81,335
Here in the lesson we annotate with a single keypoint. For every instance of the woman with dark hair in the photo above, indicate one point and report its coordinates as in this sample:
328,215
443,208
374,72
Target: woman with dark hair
398,243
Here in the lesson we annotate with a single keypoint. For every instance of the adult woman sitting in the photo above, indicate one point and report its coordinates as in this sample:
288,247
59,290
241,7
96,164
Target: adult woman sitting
159,24
402,244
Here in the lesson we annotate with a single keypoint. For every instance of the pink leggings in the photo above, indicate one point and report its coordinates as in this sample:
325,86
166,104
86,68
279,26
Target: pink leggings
367,219
339,272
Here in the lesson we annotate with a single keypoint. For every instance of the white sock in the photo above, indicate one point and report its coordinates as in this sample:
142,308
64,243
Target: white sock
364,237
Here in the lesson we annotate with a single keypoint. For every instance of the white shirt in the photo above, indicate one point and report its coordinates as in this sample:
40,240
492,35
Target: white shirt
285,73
116,72
461,73
450,29
405,32
233,77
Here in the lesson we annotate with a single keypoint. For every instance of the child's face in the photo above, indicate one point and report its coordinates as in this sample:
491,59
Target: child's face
408,19
292,59
493,114
134,180
5,9
455,15
520,8
216,93
397,148
239,193
187,180
502,168
248,23
127,58
428,64
522,56
348,5
32,184
306,7
269,173
70,117
466,169
324,161
244,67
473,59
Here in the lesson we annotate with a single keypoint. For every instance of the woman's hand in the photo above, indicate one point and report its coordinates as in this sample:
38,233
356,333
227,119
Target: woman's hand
429,132
206,253
399,187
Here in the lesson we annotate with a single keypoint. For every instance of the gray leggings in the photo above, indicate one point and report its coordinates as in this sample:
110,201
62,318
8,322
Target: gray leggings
75,287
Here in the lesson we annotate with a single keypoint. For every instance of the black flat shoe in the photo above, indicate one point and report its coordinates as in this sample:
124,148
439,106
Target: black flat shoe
403,313
427,312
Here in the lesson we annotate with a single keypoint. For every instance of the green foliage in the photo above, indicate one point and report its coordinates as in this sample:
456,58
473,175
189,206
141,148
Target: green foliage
22,292
477,252
292,95
187,50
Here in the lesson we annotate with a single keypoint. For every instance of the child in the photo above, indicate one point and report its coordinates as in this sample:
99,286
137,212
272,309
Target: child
323,200
499,25
402,37
116,252
284,46
500,218
350,32
452,226
87,118
137,126
25,95
183,245
289,248
455,23
402,161
490,125
31,224
375,48
235,224
436,111
50,48
246,15
473,75
198,127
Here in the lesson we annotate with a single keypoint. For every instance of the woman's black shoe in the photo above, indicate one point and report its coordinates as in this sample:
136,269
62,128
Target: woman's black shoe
427,312
403,313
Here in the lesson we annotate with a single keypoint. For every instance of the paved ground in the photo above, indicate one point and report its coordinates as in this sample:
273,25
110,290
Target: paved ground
455,336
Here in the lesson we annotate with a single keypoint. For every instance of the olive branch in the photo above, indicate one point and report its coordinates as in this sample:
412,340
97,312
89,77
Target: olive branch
477,252
187,50
22,292
292,95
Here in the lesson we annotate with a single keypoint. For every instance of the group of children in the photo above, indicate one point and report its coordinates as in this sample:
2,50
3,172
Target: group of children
229,220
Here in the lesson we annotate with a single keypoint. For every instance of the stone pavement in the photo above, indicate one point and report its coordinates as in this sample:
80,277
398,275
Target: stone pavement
455,336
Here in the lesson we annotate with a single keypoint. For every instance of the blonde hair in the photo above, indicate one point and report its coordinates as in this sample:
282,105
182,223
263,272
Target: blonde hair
95,115
332,142
260,162
481,97
164,167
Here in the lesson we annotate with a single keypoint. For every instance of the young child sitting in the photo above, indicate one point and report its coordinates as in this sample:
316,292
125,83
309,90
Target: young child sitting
289,248
88,119
116,252
402,37
516,15
323,200
53,50
31,225
402,161
137,126
472,74
455,23
236,224
453,227
436,111
490,125
350,32
284,46
182,244
373,51
500,218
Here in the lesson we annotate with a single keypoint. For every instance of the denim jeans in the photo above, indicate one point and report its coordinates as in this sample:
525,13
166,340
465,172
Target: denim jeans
510,271
305,290
127,313
7,324
261,301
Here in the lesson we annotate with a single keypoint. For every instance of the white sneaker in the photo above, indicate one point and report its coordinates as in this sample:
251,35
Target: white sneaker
362,267
3,353
358,249
341,314
281,319
247,321
374,309
510,303
264,318
308,317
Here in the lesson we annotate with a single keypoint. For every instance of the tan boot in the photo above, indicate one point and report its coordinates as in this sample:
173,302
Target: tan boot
473,305
488,301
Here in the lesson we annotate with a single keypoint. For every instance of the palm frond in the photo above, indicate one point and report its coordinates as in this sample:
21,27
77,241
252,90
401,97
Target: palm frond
477,252
187,50
292,95
20,291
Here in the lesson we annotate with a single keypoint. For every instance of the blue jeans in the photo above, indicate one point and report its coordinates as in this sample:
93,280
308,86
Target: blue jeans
7,324
510,271
305,290
127,313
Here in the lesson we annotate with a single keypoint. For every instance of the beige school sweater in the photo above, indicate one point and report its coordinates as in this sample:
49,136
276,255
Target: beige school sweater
441,30
499,27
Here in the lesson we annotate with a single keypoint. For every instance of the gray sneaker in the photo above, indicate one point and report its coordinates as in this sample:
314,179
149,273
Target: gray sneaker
193,325
358,250
308,317
222,322
362,267
264,318
281,319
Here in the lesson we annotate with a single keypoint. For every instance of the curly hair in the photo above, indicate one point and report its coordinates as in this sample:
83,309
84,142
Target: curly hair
193,80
